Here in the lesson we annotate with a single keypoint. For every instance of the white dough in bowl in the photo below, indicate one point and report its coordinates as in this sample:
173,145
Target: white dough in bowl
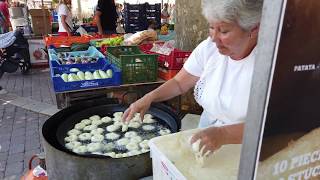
132,146
125,155
144,144
147,116
136,139
79,126
148,127
112,128
85,136
71,138
97,131
123,141
130,134
118,114
86,122
96,122
97,138
148,120
136,119
164,132
134,124
74,132
106,119
94,117
145,150
94,147
80,149
111,154
119,155
90,128
134,152
117,123
112,136
124,127
73,144
108,146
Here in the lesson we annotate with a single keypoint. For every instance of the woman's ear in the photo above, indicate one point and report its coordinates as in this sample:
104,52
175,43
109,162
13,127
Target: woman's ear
255,31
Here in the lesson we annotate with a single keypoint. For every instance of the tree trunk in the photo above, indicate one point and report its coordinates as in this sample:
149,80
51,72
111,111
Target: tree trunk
191,27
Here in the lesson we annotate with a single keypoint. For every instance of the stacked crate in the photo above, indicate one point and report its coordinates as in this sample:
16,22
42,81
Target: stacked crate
168,65
134,18
153,13
137,16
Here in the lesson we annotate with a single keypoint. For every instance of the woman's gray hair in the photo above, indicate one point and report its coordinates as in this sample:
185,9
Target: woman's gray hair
247,13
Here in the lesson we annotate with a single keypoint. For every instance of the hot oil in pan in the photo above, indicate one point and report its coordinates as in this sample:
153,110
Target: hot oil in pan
145,135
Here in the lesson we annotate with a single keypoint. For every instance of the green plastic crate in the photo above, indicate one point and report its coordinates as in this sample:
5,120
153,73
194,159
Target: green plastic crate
136,66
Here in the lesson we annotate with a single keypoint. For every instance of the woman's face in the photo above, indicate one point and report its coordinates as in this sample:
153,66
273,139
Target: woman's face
231,39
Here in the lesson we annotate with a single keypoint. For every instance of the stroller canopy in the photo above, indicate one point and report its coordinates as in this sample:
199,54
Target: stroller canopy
7,39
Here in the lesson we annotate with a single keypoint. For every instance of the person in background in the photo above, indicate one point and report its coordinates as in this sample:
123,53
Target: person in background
106,15
64,18
165,14
172,19
220,69
4,17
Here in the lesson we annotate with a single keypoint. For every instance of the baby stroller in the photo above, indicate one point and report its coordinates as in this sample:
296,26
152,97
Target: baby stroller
14,53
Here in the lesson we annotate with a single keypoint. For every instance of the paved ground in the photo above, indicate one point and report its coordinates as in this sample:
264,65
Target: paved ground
21,120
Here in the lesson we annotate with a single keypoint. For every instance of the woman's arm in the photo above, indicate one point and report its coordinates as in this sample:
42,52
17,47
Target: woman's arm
180,84
65,25
98,18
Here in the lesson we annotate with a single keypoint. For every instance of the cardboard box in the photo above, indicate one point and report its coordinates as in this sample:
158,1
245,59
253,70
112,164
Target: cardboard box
39,12
40,25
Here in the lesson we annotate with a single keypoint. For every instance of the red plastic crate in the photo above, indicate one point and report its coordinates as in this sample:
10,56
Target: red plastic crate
166,74
173,61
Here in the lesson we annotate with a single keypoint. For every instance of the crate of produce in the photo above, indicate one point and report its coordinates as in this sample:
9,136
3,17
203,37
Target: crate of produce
166,74
59,41
67,78
135,66
112,41
92,55
174,60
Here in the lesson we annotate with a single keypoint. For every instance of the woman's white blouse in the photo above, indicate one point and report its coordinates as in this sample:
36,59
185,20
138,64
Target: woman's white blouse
224,85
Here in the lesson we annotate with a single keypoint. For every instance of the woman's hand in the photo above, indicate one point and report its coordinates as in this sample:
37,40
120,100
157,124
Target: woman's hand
140,106
212,139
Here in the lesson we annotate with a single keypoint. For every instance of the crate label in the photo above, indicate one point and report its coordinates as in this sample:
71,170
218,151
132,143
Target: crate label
89,84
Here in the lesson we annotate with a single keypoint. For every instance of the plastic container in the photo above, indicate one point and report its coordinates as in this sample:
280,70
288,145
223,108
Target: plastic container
162,167
135,66
166,74
92,52
173,61
60,86
172,158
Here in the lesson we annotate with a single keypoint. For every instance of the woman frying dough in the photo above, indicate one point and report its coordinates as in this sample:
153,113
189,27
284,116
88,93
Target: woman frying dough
220,70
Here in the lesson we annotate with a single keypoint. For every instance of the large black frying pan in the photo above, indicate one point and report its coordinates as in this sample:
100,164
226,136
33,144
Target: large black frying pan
64,164
55,128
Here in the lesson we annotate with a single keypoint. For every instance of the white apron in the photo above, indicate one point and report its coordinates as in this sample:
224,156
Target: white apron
208,91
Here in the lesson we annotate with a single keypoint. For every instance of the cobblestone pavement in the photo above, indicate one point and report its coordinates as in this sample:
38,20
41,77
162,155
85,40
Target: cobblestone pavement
19,126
